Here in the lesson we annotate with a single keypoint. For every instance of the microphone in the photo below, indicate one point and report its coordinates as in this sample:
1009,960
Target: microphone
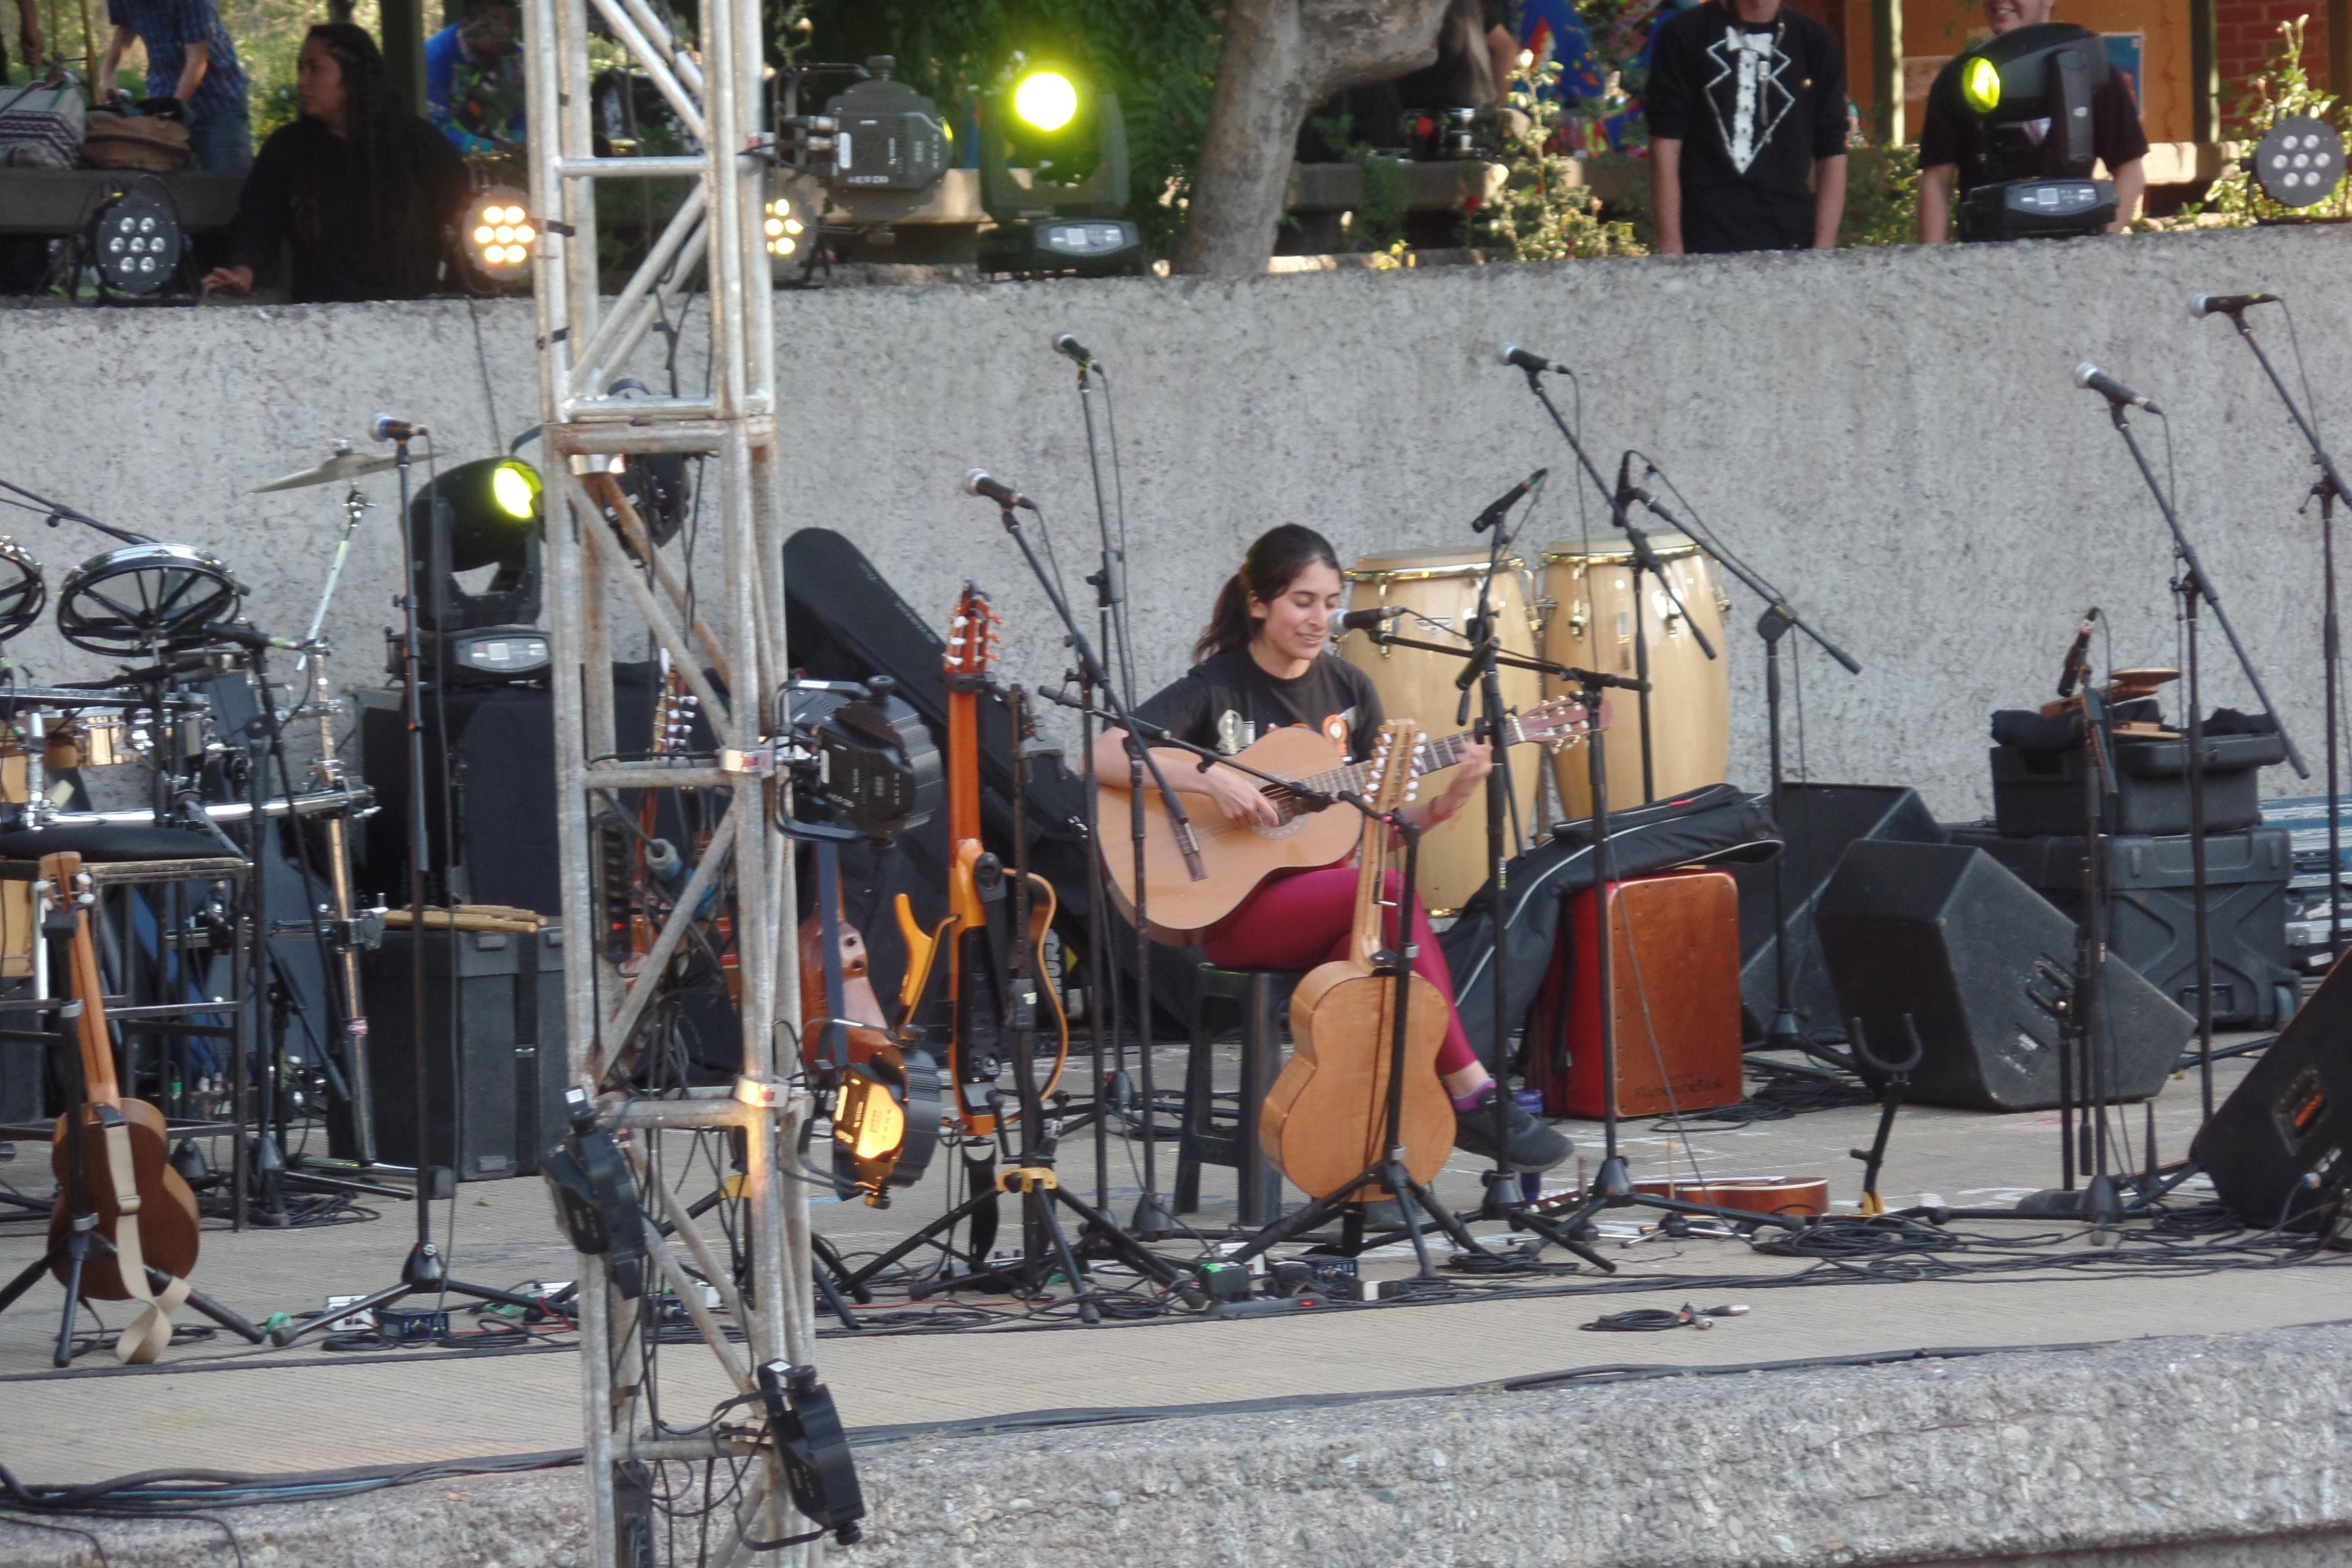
1075,351
977,483
2228,304
387,428
1346,621
1494,514
2078,657
1511,353
2090,378
245,636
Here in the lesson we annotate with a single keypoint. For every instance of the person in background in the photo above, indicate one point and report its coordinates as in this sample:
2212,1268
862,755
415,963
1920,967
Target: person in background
362,191
473,76
190,60
1746,107
29,40
1947,136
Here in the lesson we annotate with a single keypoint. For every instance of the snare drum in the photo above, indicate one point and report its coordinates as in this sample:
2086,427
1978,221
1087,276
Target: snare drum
1441,589
1590,589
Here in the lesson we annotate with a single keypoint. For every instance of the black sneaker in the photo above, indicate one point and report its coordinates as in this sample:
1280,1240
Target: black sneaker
1527,1143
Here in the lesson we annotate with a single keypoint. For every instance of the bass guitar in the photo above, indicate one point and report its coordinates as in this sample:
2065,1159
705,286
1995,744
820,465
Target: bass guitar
110,1155
1239,857
1326,1120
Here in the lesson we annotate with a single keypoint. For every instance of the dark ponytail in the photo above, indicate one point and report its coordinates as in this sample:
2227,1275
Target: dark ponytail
1272,566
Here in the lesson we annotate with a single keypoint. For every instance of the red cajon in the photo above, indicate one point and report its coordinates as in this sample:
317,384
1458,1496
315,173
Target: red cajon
1677,956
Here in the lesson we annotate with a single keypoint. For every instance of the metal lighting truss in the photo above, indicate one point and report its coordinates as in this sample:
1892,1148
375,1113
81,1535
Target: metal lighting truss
735,631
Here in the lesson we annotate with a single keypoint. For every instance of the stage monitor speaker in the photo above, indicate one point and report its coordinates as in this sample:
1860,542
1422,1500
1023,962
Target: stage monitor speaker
1817,821
1985,967
2276,1149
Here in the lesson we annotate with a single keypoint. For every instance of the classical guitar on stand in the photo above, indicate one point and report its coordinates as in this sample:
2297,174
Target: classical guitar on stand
110,1154
1326,1120
1241,855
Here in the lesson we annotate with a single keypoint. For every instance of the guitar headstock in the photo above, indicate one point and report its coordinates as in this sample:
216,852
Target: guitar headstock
1392,774
971,634
1558,722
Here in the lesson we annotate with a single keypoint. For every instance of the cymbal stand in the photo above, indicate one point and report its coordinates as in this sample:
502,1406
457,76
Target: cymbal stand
1785,1032
424,1269
2329,491
2195,587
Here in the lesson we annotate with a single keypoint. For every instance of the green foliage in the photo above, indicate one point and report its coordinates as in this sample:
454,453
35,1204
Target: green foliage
2283,90
1378,221
1158,55
1544,212
268,36
1882,197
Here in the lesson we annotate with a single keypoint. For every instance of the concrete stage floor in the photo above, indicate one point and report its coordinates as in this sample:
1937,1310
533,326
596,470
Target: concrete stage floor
225,1406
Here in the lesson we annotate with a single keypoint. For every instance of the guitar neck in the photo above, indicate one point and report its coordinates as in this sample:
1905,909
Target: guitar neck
1434,755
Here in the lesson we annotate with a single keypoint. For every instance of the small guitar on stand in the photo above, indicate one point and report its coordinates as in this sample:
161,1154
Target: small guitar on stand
1241,855
125,1225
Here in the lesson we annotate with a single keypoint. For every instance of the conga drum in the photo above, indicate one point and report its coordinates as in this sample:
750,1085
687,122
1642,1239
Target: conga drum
1439,590
1590,587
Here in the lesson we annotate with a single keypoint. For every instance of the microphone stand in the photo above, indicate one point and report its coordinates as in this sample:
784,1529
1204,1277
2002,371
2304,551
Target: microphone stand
2330,489
1618,500
1777,621
1150,1219
2194,587
1110,583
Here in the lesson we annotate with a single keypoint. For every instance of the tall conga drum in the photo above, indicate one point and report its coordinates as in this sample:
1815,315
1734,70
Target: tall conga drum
1439,590
1591,588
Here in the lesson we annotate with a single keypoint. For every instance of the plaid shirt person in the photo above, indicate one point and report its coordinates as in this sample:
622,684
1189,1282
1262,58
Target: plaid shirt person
166,27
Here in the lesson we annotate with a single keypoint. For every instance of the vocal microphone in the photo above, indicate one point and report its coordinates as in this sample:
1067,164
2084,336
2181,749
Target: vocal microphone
1511,353
2228,304
2078,657
2090,378
1075,351
1494,514
977,483
387,428
1346,621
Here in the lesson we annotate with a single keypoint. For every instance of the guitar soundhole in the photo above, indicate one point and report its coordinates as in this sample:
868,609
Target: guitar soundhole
1288,826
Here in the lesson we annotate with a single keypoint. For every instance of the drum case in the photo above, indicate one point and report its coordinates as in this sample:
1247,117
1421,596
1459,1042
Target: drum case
2038,793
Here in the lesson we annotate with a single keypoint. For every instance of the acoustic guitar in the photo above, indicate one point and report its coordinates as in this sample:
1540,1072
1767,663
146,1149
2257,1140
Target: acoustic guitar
144,1209
1238,856
1326,1120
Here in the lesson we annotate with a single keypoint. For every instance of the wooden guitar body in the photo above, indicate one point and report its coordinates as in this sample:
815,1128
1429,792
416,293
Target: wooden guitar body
1243,855
859,1004
167,1206
1326,1115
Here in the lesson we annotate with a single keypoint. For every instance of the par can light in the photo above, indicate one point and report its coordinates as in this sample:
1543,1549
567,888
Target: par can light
2300,161
135,243
500,233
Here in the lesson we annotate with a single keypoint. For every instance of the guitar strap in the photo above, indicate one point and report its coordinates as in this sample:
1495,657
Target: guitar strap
149,1333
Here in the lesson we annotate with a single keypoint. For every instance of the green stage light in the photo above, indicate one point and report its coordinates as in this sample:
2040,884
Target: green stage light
1980,85
1046,101
514,487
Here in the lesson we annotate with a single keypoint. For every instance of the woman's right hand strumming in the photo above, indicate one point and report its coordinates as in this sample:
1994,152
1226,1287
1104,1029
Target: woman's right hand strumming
1239,796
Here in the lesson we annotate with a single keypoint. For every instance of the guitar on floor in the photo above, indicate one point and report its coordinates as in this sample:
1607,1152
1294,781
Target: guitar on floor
1239,857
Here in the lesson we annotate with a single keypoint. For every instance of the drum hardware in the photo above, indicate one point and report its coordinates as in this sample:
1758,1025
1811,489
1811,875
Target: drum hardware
23,590
145,598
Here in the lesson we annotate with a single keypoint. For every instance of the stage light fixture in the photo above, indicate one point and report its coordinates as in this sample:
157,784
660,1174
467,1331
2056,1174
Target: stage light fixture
501,233
1046,101
2030,91
783,230
2300,161
135,243
1980,85
478,517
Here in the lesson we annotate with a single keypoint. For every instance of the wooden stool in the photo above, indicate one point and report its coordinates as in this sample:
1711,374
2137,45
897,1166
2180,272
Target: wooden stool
1260,995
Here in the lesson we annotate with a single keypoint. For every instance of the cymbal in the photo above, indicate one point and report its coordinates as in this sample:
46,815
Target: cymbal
343,466
2149,678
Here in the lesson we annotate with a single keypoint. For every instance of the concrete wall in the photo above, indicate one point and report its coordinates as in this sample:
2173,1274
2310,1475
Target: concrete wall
1890,434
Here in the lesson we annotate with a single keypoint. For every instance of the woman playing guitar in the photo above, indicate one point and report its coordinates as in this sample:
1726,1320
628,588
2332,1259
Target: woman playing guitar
1261,667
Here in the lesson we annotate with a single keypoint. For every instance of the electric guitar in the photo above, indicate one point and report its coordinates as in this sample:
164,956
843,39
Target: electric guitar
1239,857
977,881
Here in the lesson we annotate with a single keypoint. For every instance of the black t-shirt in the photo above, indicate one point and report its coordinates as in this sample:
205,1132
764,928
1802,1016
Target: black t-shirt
1754,106
355,233
1229,702
1951,134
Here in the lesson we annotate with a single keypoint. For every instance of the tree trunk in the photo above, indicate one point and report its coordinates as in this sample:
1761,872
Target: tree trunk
1278,60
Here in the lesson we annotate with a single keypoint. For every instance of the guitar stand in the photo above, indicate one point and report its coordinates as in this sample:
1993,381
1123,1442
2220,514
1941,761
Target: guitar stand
74,1249
1898,1075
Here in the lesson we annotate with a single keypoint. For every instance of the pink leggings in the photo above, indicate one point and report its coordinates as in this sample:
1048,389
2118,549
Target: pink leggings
1301,918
